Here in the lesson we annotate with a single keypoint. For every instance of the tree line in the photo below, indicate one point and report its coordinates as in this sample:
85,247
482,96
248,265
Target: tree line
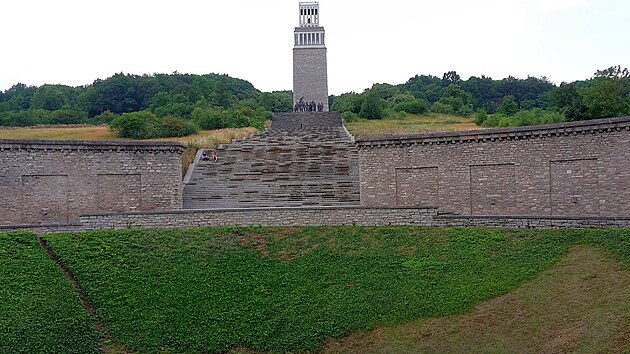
505,102
143,106
163,103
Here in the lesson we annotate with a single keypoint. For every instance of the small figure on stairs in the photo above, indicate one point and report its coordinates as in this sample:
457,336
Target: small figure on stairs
214,157
204,156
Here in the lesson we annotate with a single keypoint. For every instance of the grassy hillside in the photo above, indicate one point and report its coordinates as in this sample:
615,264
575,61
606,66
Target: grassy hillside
39,311
271,289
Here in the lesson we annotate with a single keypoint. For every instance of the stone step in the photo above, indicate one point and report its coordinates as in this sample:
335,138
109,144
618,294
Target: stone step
304,159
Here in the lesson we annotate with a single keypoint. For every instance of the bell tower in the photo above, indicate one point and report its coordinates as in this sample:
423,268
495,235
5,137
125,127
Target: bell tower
310,77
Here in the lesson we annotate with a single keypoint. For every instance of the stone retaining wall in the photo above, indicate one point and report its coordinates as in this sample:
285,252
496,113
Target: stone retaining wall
321,216
262,217
573,169
48,182
531,222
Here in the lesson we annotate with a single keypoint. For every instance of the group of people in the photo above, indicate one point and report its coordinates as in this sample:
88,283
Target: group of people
308,107
213,156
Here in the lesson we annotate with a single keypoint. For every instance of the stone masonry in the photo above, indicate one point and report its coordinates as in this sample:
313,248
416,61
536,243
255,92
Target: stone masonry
573,169
310,72
43,182
304,159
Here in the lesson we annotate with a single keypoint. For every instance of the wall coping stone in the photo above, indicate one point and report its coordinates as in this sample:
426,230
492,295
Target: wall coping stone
525,217
10,144
248,210
499,134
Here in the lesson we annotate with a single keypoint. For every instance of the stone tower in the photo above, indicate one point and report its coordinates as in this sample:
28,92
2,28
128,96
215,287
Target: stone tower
310,78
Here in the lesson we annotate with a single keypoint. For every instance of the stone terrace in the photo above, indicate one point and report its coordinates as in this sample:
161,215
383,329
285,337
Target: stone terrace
304,159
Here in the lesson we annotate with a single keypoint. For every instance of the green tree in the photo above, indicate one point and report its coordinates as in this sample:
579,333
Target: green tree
608,95
567,100
48,97
457,98
348,102
508,106
451,77
372,107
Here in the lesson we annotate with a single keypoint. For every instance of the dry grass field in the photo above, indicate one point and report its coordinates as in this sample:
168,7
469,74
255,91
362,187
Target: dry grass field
204,139
411,124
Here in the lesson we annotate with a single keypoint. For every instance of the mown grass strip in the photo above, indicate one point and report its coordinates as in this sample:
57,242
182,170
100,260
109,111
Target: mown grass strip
291,289
40,312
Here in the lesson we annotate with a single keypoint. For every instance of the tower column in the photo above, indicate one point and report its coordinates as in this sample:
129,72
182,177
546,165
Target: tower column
310,77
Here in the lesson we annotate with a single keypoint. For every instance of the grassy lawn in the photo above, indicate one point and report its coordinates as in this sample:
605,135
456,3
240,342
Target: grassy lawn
581,305
268,289
204,139
39,310
411,124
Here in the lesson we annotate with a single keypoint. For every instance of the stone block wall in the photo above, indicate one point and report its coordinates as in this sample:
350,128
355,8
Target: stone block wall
44,182
568,169
316,216
306,120
310,78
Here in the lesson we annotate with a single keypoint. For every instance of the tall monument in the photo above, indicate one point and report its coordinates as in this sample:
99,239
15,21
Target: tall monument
310,78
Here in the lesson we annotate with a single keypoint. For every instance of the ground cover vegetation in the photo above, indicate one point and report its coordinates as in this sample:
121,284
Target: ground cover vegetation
580,305
39,310
167,105
290,289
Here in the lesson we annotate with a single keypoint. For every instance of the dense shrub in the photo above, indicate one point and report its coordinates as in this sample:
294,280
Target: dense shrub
482,115
350,117
372,107
417,106
173,127
534,117
136,125
218,118
440,107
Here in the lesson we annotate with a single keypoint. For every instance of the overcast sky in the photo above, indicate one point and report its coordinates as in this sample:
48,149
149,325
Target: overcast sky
74,42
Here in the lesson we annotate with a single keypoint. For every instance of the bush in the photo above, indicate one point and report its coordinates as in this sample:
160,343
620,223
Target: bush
372,107
105,117
66,116
439,107
136,125
521,118
350,117
416,106
173,127
218,118
465,110
508,106
482,115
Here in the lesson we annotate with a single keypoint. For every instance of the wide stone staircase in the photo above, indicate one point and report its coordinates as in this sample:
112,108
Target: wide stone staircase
303,159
